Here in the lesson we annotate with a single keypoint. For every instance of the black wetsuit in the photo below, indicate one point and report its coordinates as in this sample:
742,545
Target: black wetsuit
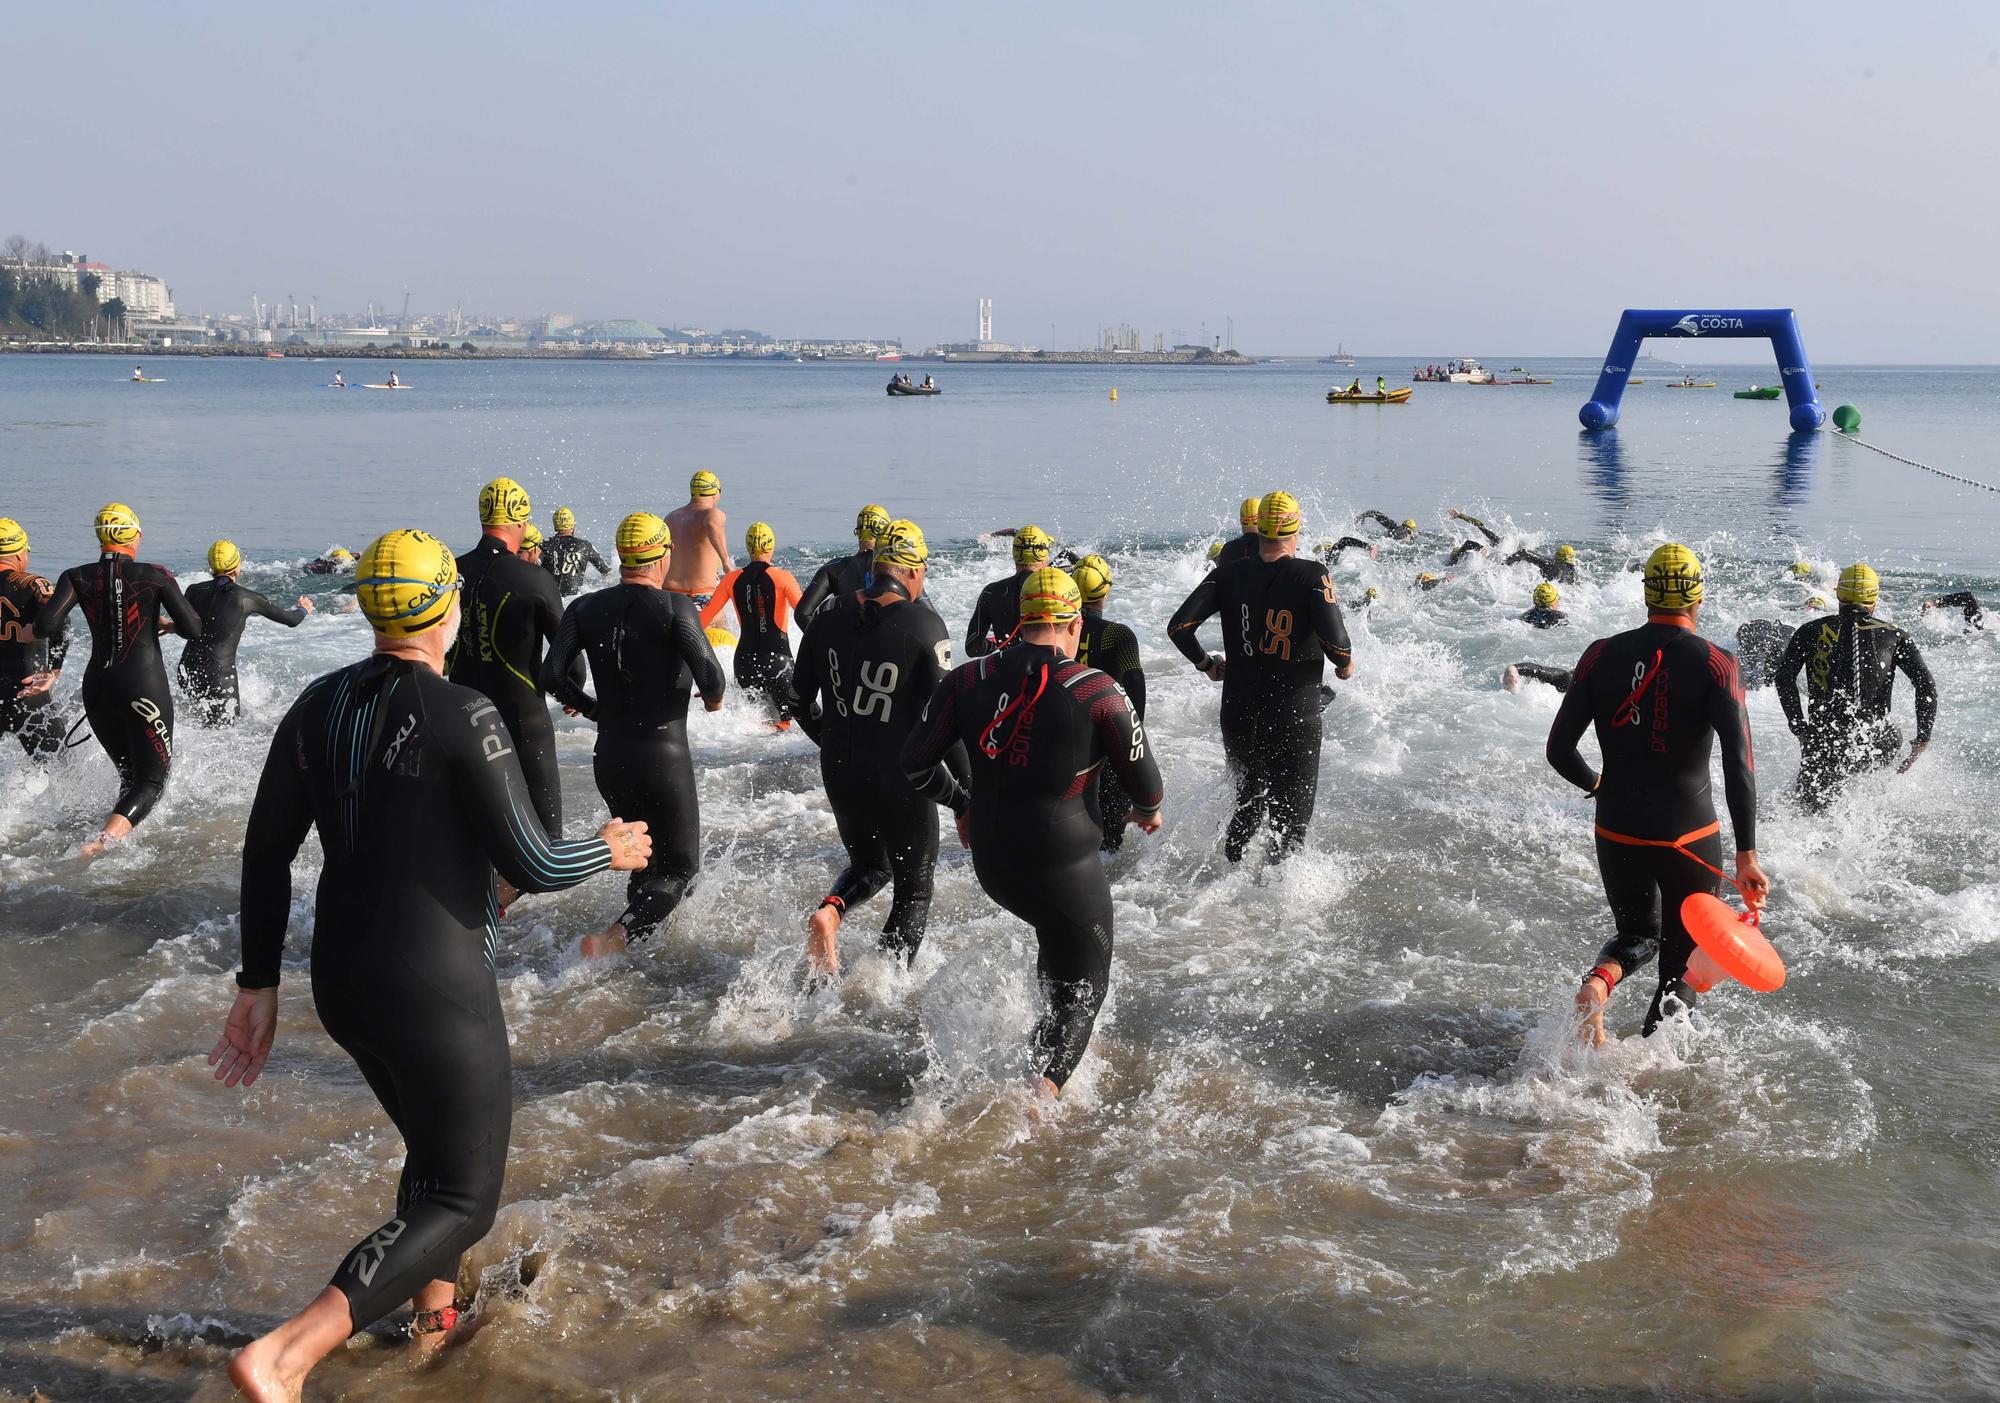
1660,697
207,669
1112,649
567,557
509,612
1330,551
1965,602
1396,529
1759,645
646,649
869,668
125,683
1281,623
1556,677
835,580
33,721
1562,572
416,792
1465,548
1541,616
1037,726
1243,547
995,616
1850,662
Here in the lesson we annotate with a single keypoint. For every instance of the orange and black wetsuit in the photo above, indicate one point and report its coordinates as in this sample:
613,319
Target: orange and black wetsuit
125,684
1660,697
764,596
1112,649
509,611
1037,726
1850,661
1281,624
32,721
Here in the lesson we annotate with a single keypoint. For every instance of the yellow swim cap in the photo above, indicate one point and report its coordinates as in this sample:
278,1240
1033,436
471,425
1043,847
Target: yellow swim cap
564,519
901,542
340,553
1425,577
1858,585
1278,516
1673,577
704,484
1371,593
531,538
642,539
1409,523
117,525
1247,513
1093,578
760,539
1215,550
224,558
1566,554
1546,596
1049,596
870,522
1818,601
13,537
1802,569
1031,546
503,502
405,582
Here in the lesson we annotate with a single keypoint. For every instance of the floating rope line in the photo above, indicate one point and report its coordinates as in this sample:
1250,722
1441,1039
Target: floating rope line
1954,477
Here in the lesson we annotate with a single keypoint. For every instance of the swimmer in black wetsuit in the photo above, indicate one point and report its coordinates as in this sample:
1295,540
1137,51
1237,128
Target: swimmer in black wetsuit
646,650
1243,545
997,611
1112,649
849,573
511,611
337,561
1759,645
1281,624
1556,677
125,683
207,669
30,665
763,595
1405,530
1468,548
1850,662
1559,567
531,545
567,555
1660,697
414,787
1962,600
1547,611
1037,724
1329,551
868,664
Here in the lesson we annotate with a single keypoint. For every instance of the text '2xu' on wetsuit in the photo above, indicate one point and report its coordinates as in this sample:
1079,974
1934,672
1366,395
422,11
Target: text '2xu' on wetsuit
1850,662
510,611
869,668
646,651
1660,697
1036,727
417,794
208,664
125,684
24,653
1281,624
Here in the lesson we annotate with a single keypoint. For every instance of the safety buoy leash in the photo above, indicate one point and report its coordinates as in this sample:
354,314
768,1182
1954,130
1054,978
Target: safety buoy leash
1912,462
1752,915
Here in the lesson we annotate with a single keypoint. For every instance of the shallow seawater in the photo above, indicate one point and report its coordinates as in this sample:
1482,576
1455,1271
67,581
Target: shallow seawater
1333,1138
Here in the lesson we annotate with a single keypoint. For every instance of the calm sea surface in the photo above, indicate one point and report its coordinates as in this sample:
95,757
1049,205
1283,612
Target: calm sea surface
1332,1140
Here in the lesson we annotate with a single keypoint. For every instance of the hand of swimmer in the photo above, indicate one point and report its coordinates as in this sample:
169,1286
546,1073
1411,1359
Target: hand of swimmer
1917,747
1144,822
246,1038
306,604
1343,673
1214,668
40,682
964,822
631,846
1750,880
712,705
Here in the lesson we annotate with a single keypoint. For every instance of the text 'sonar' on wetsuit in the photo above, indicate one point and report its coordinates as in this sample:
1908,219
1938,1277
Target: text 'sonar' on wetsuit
1850,662
764,597
567,557
510,611
1113,649
1281,624
1036,727
1661,698
416,790
207,668
995,615
868,668
646,652
24,653
125,683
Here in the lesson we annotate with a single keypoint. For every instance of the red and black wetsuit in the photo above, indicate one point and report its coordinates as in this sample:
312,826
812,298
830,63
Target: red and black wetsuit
1037,726
23,653
1660,697
125,685
1281,624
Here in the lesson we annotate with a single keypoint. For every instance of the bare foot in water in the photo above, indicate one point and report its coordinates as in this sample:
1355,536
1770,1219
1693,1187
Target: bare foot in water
823,940
273,1367
115,829
608,941
1510,678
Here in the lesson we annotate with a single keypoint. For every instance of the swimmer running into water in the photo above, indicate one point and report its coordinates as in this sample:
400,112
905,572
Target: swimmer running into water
701,529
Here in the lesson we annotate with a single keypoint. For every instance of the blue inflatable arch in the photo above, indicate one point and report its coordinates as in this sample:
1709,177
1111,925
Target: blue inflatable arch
1777,323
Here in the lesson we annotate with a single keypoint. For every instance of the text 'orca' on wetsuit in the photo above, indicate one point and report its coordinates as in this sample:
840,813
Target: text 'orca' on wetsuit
646,651
208,664
1036,726
1112,649
567,557
415,788
511,610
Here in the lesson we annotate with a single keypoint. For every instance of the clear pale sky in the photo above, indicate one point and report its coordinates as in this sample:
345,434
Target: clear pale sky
1411,180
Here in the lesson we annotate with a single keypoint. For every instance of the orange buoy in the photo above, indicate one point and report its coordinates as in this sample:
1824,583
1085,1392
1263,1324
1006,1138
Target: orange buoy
1728,942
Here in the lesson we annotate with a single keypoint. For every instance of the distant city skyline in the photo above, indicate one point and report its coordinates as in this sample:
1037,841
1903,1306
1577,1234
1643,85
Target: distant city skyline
1413,182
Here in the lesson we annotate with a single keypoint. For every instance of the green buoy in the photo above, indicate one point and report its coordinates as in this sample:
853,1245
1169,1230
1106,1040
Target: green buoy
1847,418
